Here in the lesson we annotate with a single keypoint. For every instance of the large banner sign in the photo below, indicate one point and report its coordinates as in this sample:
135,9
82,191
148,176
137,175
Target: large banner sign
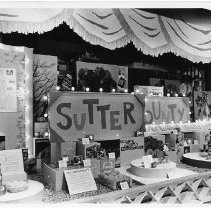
166,109
202,105
107,116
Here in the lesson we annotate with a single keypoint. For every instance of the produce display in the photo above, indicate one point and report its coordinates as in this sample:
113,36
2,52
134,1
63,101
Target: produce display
155,148
205,155
113,179
156,171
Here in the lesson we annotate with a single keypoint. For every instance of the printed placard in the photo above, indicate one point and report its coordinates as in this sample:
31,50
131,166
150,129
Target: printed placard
11,162
8,86
80,180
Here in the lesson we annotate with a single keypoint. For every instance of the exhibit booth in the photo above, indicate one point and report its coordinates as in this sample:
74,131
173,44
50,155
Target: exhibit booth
99,135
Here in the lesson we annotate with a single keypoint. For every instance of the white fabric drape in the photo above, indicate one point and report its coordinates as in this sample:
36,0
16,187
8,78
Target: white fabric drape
113,28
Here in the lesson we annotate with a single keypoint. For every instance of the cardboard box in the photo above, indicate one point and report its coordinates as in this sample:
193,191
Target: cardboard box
107,165
171,139
82,149
54,177
60,149
114,179
95,167
111,146
131,148
194,148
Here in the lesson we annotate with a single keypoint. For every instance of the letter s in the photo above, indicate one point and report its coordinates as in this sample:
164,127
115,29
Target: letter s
69,120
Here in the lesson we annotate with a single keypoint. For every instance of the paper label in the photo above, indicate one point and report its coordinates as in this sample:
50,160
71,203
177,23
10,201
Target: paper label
171,174
80,180
124,185
85,141
87,162
111,155
185,144
62,164
148,160
196,141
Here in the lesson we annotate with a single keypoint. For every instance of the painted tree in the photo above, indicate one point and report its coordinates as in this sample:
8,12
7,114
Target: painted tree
44,79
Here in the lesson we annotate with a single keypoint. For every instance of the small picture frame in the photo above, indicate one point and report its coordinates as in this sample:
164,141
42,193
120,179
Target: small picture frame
91,137
77,160
186,149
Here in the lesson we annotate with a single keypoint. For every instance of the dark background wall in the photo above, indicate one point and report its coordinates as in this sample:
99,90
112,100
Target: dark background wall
68,46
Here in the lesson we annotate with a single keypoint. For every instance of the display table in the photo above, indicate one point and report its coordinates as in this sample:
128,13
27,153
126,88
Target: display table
32,195
195,160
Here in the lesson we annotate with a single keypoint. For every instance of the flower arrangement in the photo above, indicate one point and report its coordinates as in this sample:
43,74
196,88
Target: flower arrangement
96,79
156,148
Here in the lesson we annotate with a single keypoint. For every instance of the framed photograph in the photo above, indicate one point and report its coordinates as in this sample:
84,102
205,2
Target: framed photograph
186,149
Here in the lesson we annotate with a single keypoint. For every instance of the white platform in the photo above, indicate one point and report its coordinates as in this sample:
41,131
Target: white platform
179,172
195,160
195,156
32,195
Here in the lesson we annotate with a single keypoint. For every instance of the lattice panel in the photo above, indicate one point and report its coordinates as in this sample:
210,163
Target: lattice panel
183,193
190,189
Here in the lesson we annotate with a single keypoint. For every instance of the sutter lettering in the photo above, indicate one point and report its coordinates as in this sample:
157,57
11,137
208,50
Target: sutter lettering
79,120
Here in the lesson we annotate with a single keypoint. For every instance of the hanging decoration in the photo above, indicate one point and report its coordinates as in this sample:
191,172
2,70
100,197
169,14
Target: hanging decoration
151,33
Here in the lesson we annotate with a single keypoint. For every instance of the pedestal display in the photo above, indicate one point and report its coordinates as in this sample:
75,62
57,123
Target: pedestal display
31,195
159,172
197,159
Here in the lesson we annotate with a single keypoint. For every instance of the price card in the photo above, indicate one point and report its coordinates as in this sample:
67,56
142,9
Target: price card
185,144
62,164
124,185
80,180
196,141
171,174
85,141
111,155
87,162
148,160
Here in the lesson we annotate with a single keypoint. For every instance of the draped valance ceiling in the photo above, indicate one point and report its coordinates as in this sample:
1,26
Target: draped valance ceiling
151,32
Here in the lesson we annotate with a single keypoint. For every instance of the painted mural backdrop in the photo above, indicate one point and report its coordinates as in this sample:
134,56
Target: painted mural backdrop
202,105
14,129
44,79
166,109
107,116
98,75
